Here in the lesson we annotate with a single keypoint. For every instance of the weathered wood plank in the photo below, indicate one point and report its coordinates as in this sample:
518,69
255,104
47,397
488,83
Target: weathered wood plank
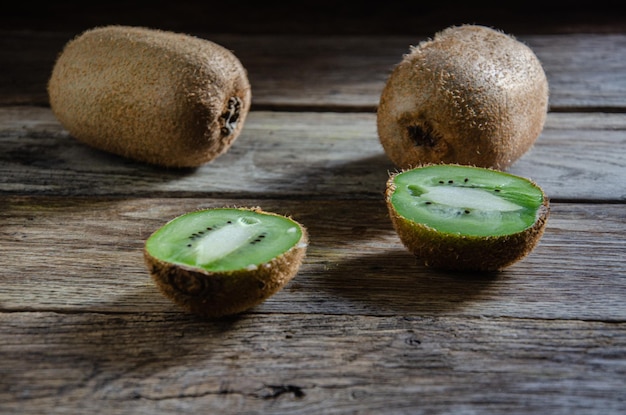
85,255
152,363
579,156
342,72
363,328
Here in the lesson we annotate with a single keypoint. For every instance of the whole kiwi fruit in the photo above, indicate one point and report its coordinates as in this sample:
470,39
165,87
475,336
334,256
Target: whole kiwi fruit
164,98
471,95
466,218
223,261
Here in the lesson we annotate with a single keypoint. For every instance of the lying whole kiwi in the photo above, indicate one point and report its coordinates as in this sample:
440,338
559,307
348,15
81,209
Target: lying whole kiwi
466,218
223,261
164,98
472,95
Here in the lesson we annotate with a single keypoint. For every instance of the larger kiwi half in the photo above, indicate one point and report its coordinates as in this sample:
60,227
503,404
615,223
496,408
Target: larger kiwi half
466,218
216,262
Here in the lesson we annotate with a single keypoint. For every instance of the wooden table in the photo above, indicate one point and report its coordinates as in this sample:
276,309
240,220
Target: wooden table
363,328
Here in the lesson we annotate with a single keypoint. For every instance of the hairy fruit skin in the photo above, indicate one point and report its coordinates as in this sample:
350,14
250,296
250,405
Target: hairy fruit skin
158,97
472,95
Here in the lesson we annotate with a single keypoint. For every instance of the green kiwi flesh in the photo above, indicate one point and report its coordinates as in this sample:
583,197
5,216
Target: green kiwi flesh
465,217
223,261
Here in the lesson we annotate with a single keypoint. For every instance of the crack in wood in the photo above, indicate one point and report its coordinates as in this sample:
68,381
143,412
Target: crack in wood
274,391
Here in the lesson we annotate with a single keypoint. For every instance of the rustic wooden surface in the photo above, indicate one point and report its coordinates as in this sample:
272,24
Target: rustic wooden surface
363,328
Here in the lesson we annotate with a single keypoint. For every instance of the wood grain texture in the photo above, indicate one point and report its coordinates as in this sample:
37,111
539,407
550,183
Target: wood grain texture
363,328
342,73
579,156
151,363
85,255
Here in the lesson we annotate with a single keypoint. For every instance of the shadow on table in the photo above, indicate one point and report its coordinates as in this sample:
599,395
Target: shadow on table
395,281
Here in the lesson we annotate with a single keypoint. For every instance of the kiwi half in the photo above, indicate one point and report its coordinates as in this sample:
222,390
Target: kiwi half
160,97
466,218
472,95
223,261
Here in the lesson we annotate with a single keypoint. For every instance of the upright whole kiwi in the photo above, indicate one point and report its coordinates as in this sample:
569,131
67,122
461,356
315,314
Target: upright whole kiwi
164,98
472,95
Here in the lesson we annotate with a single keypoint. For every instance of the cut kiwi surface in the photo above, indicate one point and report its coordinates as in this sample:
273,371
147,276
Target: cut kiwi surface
466,218
221,261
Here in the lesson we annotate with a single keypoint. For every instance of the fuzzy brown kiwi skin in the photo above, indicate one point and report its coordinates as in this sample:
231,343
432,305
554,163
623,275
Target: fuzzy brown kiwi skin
451,252
219,294
472,95
159,97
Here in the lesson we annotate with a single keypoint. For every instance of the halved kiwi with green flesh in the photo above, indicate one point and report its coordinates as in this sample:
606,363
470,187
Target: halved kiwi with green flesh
466,218
223,261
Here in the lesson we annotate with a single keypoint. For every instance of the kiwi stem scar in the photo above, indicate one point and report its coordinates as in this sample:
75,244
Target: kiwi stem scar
231,116
420,136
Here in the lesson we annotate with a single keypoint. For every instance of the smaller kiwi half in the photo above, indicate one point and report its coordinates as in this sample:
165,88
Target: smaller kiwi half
223,261
466,218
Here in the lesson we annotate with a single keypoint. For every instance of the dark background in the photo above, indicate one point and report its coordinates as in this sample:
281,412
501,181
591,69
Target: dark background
318,17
